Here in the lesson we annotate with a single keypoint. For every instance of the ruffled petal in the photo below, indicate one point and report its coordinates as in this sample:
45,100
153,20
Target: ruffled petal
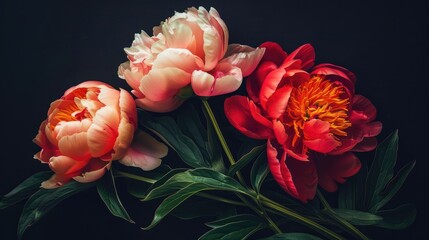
244,57
94,170
178,58
270,84
145,152
75,146
133,79
273,53
224,79
333,169
362,110
305,54
161,84
317,136
238,113
65,166
128,107
256,79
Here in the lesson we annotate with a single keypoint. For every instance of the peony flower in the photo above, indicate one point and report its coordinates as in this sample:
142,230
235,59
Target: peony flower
311,117
90,126
188,50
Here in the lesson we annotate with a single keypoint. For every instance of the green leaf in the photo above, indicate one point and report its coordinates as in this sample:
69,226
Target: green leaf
196,207
352,192
358,217
231,228
44,200
171,202
381,170
24,189
398,218
394,185
245,159
164,190
214,148
292,236
259,171
106,188
189,122
168,130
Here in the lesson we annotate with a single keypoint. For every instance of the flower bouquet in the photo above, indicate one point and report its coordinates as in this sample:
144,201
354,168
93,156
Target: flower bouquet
295,130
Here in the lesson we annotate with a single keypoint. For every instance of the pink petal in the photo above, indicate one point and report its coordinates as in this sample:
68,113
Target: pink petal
75,146
167,105
224,79
66,166
161,84
109,97
87,84
178,58
122,142
145,152
103,131
128,107
277,103
54,182
221,27
133,79
48,150
244,57
333,169
317,136
238,113
93,171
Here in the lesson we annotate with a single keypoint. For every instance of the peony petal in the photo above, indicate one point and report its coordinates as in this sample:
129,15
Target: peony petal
362,110
167,105
87,84
317,136
109,97
337,74
103,131
93,171
66,166
255,111
256,79
296,177
178,58
273,53
127,107
123,141
270,84
305,54
145,152
280,132
244,57
277,103
221,27
333,169
133,79
75,146
48,150
224,79
161,84
54,182
238,113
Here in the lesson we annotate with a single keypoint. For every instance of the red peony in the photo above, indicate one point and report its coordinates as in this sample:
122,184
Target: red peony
311,117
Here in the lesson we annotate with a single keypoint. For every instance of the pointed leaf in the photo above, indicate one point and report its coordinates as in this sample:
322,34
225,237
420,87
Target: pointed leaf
394,185
245,159
189,122
168,130
44,200
352,192
236,227
106,188
196,207
358,217
259,171
381,170
162,190
292,236
171,202
24,190
398,218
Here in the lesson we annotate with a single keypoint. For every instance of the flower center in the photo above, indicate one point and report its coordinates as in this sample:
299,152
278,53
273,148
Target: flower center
317,99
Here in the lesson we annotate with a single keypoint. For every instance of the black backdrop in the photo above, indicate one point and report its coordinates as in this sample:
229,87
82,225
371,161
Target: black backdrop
48,47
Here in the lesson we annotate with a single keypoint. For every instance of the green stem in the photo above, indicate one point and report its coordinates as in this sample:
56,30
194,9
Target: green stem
118,173
220,199
221,138
299,218
346,225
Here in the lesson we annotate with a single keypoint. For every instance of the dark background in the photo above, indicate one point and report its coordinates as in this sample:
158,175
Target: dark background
48,47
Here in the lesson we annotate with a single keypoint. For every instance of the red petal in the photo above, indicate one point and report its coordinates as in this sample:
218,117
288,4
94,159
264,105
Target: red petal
280,132
255,80
270,85
273,53
317,136
277,103
305,53
297,178
337,74
238,113
333,169
362,110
